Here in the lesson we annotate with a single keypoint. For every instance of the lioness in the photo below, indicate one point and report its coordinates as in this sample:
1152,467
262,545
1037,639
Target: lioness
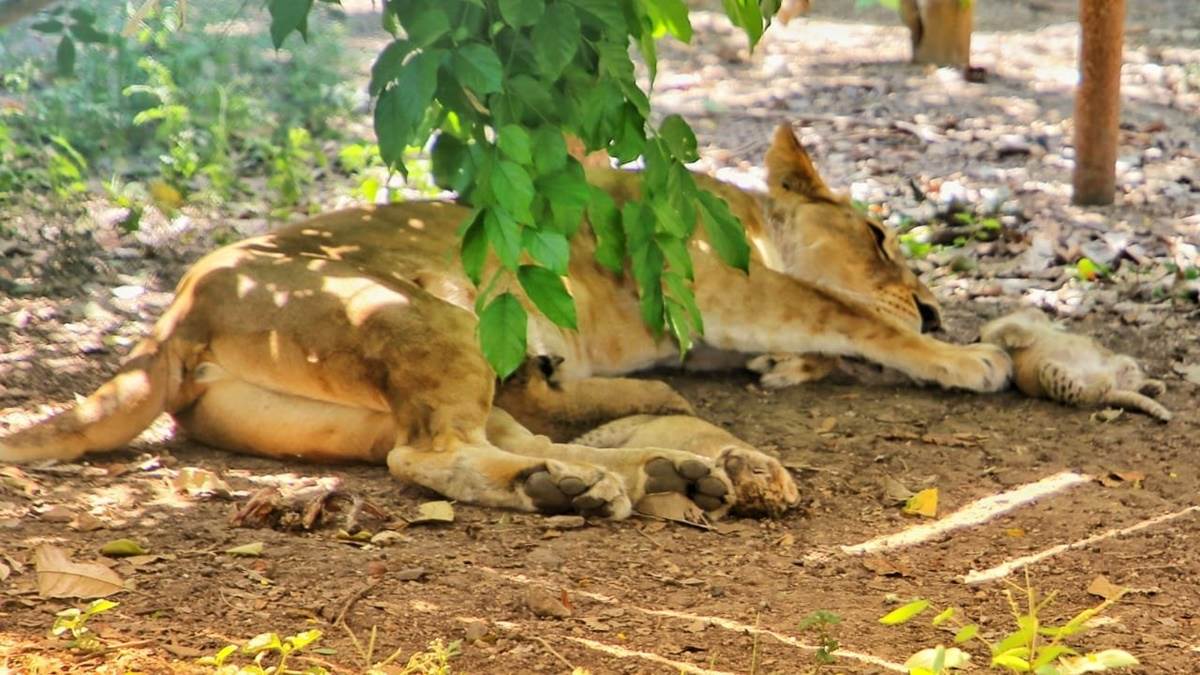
351,336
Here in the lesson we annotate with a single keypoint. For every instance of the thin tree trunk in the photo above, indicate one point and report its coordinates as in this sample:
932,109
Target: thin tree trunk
1098,100
940,30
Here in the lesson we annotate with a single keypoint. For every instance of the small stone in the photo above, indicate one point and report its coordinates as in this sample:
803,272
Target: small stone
544,604
545,558
376,568
58,514
564,522
411,574
475,631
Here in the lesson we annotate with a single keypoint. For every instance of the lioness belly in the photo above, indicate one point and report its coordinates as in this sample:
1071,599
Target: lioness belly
244,417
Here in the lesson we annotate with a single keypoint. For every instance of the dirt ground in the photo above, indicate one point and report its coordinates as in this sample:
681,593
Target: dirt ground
649,596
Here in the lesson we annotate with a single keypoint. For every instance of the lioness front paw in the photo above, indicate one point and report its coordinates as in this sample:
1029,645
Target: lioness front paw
762,486
978,367
560,488
693,476
1152,388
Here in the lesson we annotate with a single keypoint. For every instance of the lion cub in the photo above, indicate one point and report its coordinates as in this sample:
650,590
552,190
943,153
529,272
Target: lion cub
1051,363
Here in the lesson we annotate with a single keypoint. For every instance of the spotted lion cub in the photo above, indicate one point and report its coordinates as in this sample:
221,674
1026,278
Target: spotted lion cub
1075,369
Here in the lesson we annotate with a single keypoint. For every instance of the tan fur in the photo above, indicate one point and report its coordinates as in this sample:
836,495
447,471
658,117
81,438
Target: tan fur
351,336
1073,369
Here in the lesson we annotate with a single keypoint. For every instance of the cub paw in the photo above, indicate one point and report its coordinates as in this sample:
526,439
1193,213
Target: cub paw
1152,388
778,371
978,367
561,488
762,486
692,476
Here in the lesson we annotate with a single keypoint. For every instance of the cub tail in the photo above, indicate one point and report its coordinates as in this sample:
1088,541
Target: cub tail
108,419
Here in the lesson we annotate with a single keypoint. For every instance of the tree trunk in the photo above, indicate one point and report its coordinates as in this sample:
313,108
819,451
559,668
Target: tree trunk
940,29
1098,100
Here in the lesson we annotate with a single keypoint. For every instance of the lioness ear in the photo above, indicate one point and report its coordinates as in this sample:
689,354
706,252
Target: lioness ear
790,170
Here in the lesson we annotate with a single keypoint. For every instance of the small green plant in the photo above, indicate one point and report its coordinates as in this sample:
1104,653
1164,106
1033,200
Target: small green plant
435,660
819,622
1034,647
264,647
1088,270
74,621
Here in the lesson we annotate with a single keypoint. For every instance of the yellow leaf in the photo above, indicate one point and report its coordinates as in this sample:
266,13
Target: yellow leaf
924,503
122,548
253,550
165,196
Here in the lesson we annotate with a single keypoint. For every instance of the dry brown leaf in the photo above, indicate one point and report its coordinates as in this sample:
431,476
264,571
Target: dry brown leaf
195,482
896,492
1114,479
1014,532
59,577
886,568
674,507
1189,372
434,512
827,425
1104,588
4,571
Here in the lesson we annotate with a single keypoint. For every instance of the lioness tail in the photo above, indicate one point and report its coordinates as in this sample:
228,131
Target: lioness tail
112,416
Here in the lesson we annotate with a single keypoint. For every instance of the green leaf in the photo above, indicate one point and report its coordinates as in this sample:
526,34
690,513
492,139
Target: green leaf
427,26
474,249
48,26
682,293
304,639
262,643
478,68
401,108
724,231
100,606
966,633
1048,654
513,141
120,548
549,248
288,16
675,251
671,16
253,550
87,34
548,292
65,57
605,221
549,150
502,326
677,320
450,163
747,15
679,137
504,234
902,614
521,13
607,12
1012,662
388,65
555,39
943,617
512,189
568,193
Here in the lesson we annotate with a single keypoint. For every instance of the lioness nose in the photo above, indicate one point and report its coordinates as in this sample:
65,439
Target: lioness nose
931,318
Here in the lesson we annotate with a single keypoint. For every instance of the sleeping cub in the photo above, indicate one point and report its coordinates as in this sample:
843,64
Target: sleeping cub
1051,363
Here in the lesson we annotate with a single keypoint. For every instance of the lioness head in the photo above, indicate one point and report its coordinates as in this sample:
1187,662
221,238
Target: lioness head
822,238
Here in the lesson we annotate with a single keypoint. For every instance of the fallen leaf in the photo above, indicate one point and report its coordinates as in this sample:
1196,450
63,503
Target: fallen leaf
674,507
86,522
1189,372
1107,415
388,537
924,503
1014,532
59,577
253,549
1114,479
196,482
564,522
894,491
13,479
953,440
122,548
886,568
950,658
434,512
1104,588
545,604
786,541
4,571
827,425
